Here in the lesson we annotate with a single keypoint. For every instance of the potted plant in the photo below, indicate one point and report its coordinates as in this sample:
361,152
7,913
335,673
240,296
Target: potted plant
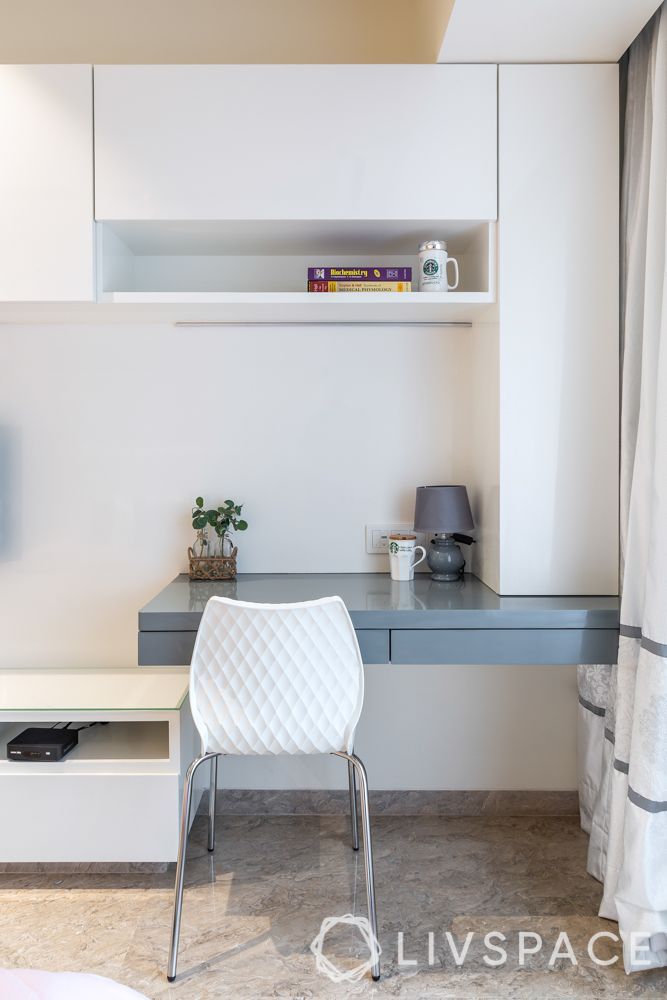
210,561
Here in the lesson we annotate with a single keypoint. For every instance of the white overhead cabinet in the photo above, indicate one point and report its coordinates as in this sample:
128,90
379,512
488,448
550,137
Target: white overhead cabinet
295,142
46,184
217,187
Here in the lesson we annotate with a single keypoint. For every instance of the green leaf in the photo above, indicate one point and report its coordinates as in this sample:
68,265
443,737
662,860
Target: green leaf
199,501
241,525
229,503
199,522
238,508
211,517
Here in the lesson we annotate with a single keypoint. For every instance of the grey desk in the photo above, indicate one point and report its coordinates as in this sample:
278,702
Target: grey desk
418,622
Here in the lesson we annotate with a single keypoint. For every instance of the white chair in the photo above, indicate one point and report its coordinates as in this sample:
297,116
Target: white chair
275,679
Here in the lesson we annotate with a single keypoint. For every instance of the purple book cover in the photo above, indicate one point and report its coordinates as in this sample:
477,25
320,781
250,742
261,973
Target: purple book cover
360,274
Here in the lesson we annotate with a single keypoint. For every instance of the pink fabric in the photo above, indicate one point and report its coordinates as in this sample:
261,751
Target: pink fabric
28,984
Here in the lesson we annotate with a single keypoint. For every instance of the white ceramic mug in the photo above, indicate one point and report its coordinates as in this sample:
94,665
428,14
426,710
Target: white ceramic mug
433,263
402,550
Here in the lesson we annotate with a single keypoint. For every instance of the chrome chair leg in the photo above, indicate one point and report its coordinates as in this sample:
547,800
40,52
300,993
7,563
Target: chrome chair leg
368,848
213,787
352,782
180,867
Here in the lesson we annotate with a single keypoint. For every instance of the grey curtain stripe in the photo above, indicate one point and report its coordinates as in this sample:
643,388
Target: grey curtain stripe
648,805
659,648
633,632
619,765
590,707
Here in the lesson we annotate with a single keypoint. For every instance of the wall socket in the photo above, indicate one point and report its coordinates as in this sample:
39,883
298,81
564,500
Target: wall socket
377,536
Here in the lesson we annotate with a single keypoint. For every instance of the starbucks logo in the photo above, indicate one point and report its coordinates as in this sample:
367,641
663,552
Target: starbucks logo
430,266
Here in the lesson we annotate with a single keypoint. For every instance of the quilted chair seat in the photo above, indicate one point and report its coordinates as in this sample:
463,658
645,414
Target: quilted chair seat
276,678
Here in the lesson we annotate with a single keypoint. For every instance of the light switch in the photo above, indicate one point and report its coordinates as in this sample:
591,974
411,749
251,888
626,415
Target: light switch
377,536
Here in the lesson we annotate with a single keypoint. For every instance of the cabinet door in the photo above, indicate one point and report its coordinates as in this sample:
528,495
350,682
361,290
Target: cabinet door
295,142
46,183
559,330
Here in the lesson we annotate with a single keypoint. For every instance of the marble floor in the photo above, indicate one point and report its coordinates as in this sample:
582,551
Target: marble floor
252,910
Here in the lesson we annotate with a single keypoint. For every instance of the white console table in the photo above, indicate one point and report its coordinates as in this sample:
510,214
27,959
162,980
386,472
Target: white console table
116,796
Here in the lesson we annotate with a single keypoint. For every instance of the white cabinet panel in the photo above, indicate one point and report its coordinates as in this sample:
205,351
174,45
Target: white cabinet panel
295,142
103,817
46,183
559,330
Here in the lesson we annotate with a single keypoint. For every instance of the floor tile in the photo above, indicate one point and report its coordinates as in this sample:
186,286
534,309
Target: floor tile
252,909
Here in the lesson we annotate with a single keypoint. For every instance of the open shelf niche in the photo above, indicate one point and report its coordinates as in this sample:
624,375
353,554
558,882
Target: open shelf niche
133,744
256,272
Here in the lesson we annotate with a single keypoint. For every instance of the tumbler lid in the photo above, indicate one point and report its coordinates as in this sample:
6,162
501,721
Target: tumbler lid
433,245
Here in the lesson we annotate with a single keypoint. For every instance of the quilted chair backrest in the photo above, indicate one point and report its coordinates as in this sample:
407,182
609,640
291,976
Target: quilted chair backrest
276,678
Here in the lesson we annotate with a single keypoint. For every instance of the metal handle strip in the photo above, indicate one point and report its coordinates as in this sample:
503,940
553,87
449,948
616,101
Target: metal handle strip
321,322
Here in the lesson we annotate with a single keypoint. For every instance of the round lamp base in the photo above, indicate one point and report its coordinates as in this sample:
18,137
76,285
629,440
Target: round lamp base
445,559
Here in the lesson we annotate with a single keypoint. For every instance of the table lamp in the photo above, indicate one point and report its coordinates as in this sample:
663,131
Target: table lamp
444,511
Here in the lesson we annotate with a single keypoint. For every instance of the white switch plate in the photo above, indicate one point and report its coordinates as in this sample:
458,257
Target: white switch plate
377,536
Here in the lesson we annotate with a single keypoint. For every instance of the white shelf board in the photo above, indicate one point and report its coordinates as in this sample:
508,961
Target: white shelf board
311,307
153,689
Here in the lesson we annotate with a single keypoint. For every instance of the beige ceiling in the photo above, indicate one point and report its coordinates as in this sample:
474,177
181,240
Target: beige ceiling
222,31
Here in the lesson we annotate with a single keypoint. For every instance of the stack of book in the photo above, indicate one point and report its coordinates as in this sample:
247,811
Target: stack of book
359,279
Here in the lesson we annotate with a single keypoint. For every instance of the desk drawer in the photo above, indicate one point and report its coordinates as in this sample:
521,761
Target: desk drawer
165,649
174,649
504,645
374,644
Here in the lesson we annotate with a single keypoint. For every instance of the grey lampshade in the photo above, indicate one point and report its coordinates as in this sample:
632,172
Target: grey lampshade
443,509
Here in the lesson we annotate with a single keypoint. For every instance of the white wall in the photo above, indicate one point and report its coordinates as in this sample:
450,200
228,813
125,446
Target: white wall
456,727
319,431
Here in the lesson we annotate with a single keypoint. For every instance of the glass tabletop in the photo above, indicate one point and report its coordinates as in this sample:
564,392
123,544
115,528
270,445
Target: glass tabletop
47,690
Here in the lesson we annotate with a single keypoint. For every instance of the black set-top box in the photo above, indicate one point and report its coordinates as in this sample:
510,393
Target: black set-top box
42,744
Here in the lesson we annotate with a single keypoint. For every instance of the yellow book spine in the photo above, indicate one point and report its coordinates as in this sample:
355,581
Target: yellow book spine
359,286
